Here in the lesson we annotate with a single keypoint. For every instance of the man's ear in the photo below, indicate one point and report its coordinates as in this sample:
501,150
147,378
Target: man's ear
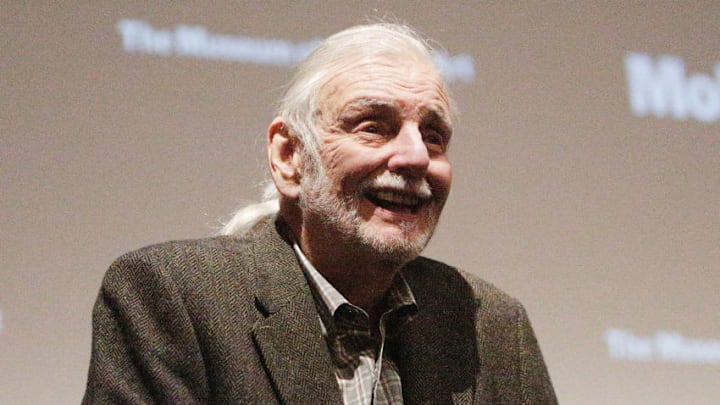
284,156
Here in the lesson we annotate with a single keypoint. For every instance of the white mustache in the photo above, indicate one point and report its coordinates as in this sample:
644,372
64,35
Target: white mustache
398,183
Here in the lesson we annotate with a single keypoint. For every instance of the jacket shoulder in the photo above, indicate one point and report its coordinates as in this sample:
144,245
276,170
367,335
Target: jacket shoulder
175,253
437,278
493,324
198,265
187,249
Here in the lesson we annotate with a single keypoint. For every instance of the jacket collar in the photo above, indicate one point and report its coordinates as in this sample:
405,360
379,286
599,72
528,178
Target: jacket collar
294,352
288,334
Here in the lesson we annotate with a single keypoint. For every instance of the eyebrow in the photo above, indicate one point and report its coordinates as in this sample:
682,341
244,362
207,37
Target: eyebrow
369,103
428,113
364,108
439,116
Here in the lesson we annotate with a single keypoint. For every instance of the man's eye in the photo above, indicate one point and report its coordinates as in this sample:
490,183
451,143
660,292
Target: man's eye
371,128
435,140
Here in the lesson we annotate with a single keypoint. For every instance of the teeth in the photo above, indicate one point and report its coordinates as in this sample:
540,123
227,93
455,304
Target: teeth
395,198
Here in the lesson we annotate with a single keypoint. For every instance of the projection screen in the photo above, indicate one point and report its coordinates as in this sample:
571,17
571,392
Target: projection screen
586,168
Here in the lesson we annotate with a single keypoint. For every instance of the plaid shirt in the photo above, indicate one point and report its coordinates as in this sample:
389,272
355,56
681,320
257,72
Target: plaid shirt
364,365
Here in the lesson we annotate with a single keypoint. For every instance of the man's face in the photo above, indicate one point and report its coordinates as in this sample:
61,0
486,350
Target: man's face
384,130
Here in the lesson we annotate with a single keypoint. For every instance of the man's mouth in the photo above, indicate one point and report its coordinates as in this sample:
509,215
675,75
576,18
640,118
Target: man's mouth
396,201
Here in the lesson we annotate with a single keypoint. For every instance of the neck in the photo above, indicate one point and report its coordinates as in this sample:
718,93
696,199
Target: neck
359,276
363,283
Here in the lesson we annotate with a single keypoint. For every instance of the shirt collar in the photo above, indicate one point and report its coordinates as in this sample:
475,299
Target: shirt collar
399,301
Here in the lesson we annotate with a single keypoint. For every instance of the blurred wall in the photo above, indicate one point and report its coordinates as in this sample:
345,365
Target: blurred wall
587,168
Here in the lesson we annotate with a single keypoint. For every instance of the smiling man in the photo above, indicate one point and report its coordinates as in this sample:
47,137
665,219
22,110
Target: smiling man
318,294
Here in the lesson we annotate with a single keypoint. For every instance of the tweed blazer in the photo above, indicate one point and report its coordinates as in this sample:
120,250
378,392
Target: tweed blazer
232,320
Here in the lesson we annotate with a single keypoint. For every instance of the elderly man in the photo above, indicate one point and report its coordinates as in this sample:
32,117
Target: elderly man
318,295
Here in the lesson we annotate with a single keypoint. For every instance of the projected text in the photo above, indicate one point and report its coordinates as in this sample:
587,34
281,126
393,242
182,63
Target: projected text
661,87
664,346
197,42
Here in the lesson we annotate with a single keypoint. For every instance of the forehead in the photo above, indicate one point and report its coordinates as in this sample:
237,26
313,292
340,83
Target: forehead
406,84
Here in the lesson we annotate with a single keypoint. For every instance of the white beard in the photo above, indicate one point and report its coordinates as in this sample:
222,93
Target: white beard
340,213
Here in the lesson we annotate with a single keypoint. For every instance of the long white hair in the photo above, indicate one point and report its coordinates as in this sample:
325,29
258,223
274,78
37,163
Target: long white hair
299,104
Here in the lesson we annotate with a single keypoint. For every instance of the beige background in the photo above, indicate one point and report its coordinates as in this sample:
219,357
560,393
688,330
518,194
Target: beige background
593,217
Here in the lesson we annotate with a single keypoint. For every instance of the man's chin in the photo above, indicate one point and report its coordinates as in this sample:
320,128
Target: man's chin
396,245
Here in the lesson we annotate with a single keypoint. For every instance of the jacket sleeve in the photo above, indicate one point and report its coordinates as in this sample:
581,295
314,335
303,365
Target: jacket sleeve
535,384
144,348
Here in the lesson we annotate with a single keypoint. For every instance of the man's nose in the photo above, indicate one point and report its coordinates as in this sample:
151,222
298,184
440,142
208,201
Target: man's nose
410,154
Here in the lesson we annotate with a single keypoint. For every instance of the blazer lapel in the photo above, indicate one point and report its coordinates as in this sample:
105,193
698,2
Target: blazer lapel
288,335
437,350
427,376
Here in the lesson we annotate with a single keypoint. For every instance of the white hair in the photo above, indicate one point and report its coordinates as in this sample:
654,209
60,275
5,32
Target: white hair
298,107
245,218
